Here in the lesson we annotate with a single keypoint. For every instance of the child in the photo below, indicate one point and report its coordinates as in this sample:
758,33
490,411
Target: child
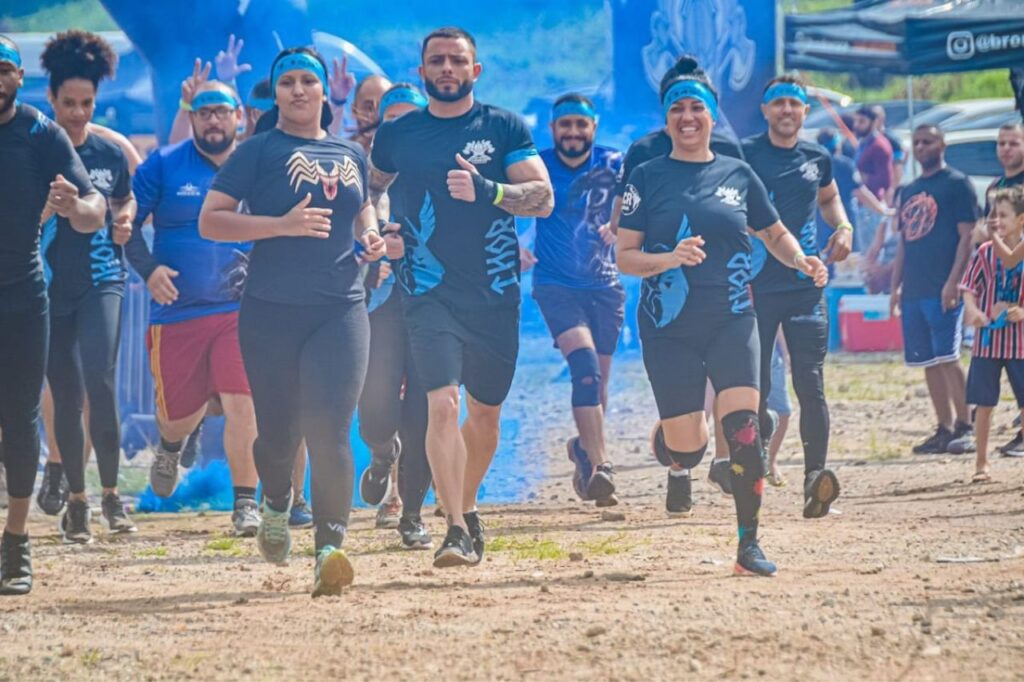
993,299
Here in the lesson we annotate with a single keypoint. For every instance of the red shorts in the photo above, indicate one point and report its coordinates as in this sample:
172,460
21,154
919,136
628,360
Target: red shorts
193,361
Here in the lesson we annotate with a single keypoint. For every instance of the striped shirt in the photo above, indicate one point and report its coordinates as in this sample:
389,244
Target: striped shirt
991,283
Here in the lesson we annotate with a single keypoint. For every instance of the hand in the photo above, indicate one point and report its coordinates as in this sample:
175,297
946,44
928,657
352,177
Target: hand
228,68
688,251
394,245
189,86
815,269
460,182
894,303
160,286
1015,314
342,81
302,221
606,234
526,259
374,245
62,197
383,272
871,257
976,318
839,245
121,230
950,295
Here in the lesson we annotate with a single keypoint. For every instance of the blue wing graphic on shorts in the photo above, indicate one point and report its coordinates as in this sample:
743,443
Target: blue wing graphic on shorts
663,296
420,270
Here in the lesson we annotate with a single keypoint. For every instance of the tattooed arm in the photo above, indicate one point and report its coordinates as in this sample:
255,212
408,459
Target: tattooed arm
379,182
528,191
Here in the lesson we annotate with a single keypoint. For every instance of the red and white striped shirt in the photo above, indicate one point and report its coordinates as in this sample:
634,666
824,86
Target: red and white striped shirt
991,283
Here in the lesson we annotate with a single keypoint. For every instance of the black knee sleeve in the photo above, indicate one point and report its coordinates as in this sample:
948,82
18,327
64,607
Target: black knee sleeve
667,456
586,377
743,434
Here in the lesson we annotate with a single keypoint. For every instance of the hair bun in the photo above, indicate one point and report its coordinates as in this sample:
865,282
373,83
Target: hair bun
687,65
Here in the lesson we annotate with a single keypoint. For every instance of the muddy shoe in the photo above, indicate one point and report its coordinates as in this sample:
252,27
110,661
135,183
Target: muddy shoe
679,495
936,443
333,572
414,533
476,533
457,550
962,442
820,491
53,491
583,471
273,539
389,513
751,561
114,513
720,476
246,518
15,565
163,473
602,482
74,523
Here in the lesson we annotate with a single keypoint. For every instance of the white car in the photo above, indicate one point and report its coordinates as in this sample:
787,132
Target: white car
968,114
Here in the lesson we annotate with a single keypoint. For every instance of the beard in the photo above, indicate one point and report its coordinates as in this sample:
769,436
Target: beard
219,147
574,153
465,87
7,103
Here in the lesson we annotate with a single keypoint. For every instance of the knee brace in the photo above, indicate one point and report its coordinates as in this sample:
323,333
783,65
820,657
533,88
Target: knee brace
586,377
667,456
743,434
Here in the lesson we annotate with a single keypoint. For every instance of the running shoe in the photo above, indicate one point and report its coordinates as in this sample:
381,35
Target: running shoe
602,482
936,443
300,515
679,497
389,513
584,469
373,484
609,501
192,448
962,441
720,476
456,550
476,533
273,539
1015,448
113,511
333,571
751,561
820,490
414,533
74,523
163,473
52,495
246,518
15,565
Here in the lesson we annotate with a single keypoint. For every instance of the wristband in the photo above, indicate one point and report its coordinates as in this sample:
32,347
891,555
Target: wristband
183,105
486,190
338,102
500,194
798,260
845,225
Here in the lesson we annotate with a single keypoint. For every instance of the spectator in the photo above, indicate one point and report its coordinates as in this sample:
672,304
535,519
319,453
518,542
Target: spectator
898,155
874,161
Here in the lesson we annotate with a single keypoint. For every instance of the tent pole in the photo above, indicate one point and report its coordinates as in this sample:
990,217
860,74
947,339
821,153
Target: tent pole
910,122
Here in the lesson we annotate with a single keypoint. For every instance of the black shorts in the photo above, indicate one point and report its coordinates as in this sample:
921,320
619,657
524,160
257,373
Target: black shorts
681,359
983,381
477,348
600,310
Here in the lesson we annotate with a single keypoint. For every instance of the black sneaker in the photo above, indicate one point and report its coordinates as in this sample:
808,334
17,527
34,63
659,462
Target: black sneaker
1015,448
720,476
768,427
936,444
456,550
962,441
114,513
74,523
476,533
414,533
751,561
602,482
15,565
373,484
53,495
679,498
820,490
192,448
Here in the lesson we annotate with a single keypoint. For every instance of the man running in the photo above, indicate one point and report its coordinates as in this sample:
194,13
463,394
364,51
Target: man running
576,282
468,168
798,177
196,285
41,170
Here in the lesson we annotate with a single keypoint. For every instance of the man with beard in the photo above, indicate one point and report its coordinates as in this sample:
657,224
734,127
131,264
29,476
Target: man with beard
576,283
467,170
196,286
366,109
874,158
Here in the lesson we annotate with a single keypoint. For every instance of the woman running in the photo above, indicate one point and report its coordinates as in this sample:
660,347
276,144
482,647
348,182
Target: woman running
303,325
686,220
87,287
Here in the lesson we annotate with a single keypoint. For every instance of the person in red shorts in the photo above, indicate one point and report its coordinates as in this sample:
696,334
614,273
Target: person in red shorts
196,286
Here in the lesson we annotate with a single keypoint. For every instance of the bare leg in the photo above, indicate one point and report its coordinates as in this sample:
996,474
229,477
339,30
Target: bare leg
446,450
776,445
982,427
239,435
938,390
17,515
480,432
956,387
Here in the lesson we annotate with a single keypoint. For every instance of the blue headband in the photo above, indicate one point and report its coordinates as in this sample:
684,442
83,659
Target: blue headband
213,98
574,109
9,54
401,96
785,90
261,103
691,89
299,61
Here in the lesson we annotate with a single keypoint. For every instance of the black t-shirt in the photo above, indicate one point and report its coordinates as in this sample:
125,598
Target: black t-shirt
271,173
669,200
466,254
930,208
999,183
792,178
33,151
80,261
658,144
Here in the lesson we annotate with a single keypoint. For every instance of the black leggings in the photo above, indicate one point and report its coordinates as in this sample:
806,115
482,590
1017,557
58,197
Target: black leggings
24,336
383,411
306,365
83,361
805,328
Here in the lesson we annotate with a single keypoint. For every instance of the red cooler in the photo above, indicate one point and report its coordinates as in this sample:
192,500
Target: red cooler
866,325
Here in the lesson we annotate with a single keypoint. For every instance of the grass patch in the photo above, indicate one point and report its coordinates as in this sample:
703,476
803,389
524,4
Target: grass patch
607,546
528,548
226,545
157,552
91,658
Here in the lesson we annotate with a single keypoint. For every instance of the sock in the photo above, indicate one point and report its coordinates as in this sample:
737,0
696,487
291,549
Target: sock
679,473
329,533
14,537
747,471
56,471
280,504
170,447
243,493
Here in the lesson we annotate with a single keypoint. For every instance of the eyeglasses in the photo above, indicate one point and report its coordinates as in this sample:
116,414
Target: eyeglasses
221,113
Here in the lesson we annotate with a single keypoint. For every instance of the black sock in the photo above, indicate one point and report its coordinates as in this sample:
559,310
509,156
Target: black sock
279,504
56,471
170,447
747,470
243,493
13,537
329,533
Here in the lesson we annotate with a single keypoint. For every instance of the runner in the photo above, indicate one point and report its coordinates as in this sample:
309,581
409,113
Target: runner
576,283
685,224
87,284
798,177
366,108
196,285
469,168
937,213
259,101
303,325
393,414
41,170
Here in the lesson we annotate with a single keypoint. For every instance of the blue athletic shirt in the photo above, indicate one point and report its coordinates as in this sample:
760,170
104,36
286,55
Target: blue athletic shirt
569,251
171,185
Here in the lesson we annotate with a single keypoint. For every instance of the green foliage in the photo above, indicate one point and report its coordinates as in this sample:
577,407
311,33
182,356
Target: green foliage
53,16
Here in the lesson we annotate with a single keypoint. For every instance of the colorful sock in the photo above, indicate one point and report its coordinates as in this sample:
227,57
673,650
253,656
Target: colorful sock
747,470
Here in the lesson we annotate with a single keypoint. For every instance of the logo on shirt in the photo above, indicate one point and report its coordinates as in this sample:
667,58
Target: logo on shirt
478,152
630,200
810,171
189,190
730,196
102,179
917,216
301,169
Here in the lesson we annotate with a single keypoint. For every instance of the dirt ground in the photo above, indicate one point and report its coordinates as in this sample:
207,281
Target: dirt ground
918,576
